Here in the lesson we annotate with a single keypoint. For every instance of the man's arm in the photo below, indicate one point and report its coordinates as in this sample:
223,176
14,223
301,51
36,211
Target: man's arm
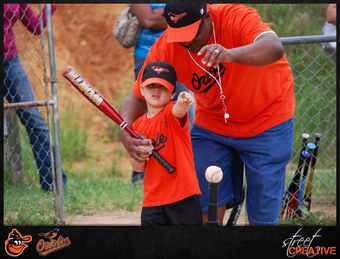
132,108
149,19
266,50
331,14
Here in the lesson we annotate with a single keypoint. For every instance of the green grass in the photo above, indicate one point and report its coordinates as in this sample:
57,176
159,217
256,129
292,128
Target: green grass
310,219
289,20
89,190
82,196
73,135
96,195
112,129
28,205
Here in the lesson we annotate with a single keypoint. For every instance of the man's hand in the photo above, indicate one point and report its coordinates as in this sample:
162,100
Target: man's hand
148,149
132,108
266,50
136,147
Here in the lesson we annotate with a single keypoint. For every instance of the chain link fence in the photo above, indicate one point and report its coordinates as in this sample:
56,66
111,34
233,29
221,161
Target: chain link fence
29,152
314,70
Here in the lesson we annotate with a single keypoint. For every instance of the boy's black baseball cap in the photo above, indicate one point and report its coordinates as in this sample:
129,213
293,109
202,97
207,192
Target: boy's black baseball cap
160,72
183,20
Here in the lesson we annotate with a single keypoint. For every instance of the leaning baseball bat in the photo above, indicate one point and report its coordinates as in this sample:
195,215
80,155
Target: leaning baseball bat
236,211
308,194
310,146
294,198
288,194
92,95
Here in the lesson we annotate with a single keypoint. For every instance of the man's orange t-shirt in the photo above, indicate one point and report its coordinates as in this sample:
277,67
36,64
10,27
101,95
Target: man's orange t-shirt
257,97
173,143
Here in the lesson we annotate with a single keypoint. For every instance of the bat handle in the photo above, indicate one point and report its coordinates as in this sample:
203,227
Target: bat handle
162,161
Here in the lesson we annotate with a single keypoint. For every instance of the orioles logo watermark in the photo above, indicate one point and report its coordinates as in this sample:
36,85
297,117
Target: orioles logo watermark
15,244
159,70
299,245
52,244
176,17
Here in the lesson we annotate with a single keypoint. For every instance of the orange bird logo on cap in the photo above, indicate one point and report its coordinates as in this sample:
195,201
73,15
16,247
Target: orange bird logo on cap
159,70
176,17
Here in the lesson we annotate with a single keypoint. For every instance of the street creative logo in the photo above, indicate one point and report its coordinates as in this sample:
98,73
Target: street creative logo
299,245
15,244
52,244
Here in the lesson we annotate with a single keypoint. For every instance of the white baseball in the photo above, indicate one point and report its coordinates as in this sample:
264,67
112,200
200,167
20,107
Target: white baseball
213,174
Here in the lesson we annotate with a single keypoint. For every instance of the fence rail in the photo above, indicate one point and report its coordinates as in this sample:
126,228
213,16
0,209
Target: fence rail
307,39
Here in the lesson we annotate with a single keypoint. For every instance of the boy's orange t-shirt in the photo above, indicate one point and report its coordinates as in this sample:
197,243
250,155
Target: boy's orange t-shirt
173,143
257,97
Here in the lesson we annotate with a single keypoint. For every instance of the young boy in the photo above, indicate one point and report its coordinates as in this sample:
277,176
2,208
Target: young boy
169,199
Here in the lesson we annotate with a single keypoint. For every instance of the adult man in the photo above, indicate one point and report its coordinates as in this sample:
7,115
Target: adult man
243,87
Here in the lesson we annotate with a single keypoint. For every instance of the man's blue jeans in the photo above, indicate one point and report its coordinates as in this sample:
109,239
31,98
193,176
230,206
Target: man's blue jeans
17,89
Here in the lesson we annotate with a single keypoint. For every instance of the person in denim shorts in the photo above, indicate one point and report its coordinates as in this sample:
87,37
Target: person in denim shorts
234,64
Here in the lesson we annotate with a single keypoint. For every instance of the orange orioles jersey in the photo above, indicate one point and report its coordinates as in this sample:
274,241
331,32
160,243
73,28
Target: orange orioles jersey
173,143
257,97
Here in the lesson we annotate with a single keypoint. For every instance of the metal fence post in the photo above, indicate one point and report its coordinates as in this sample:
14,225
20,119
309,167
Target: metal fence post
55,114
13,164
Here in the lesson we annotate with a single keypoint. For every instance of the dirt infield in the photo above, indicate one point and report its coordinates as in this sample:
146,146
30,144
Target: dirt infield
83,39
132,218
126,218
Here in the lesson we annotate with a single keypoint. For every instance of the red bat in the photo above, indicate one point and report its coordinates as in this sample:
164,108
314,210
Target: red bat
91,94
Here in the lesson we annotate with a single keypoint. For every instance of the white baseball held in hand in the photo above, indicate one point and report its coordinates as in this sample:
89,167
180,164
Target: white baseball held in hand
213,174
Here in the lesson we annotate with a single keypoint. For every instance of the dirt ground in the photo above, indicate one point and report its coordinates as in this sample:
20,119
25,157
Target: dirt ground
127,218
132,218
83,39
